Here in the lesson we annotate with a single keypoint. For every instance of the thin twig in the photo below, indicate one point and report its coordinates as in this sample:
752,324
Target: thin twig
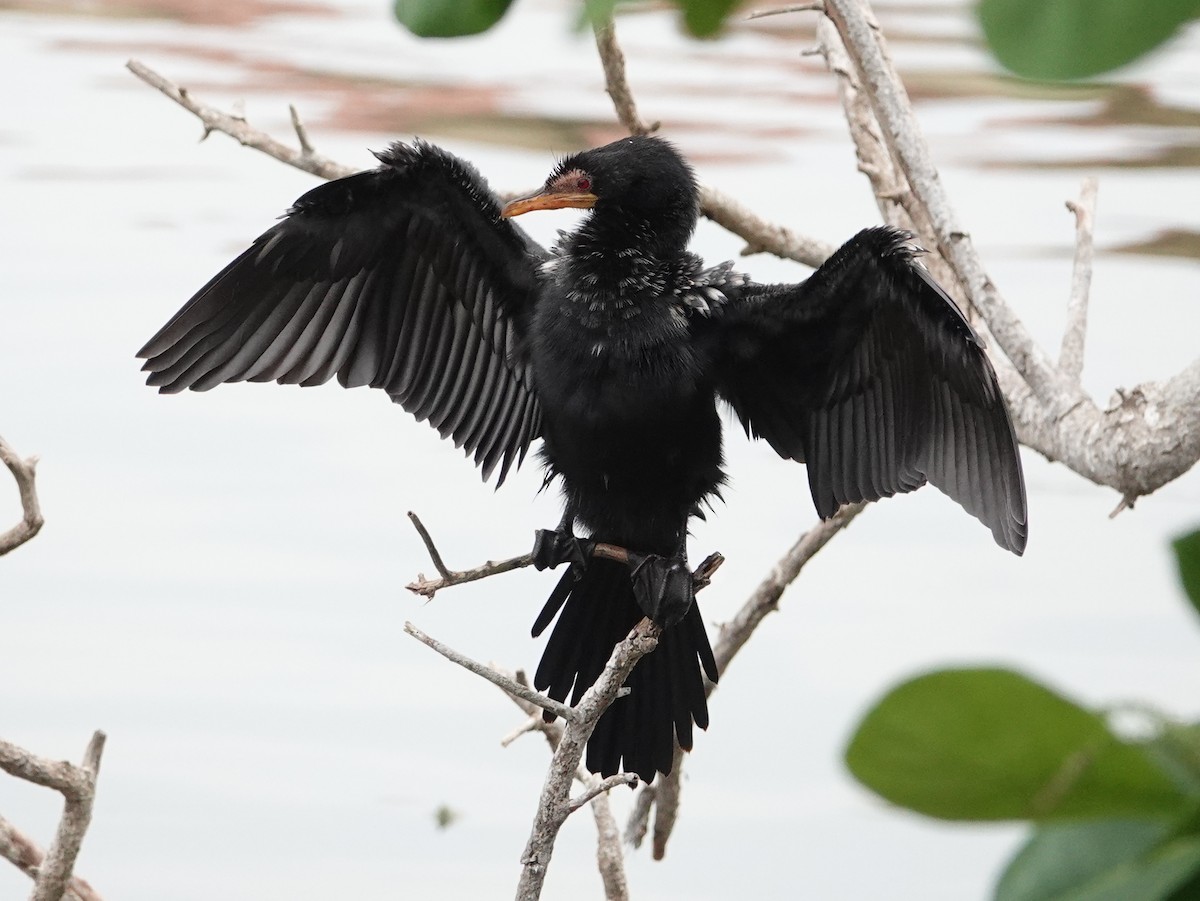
613,61
535,723
429,587
798,8
760,235
25,473
1070,358
306,148
493,676
238,129
600,786
450,577
434,555
734,634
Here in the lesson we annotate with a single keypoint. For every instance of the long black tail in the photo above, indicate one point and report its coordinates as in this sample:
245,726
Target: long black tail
667,690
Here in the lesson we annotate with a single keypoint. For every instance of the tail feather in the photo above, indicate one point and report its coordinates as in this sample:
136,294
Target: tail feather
557,598
638,732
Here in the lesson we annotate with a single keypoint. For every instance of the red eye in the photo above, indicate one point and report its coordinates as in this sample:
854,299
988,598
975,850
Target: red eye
585,184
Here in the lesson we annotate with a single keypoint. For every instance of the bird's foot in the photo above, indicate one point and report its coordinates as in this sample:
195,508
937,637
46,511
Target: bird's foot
554,547
662,586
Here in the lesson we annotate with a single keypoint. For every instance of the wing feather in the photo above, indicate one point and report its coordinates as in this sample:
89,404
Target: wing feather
871,375
403,278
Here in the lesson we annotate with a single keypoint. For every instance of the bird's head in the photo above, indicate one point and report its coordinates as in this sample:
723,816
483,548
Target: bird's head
635,181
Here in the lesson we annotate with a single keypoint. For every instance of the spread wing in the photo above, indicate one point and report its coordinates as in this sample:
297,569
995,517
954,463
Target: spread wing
869,373
403,278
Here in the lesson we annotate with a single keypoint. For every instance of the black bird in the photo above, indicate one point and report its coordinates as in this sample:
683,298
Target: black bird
613,348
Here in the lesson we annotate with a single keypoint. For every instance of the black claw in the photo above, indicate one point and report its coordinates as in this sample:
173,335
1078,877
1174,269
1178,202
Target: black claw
553,547
663,587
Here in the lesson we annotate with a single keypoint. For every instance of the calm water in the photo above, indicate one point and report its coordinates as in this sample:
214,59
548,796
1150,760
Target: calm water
220,582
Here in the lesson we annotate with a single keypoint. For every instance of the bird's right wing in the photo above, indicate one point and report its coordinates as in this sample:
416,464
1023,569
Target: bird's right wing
403,278
870,375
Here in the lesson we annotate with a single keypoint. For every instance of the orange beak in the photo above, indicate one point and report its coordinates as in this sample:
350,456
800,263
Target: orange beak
542,199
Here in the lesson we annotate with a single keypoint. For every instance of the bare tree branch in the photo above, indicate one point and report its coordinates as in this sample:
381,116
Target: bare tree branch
240,130
600,786
731,638
25,472
62,776
306,148
493,676
554,804
1070,359
448,577
639,817
734,634
760,235
77,784
900,129
613,61
602,550
23,852
610,858
783,10
1148,436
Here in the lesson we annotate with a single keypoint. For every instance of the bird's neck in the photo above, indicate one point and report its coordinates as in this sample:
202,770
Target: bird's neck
621,252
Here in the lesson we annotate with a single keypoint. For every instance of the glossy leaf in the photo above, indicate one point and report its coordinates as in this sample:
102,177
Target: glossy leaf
705,17
1153,875
1187,555
1058,859
1063,39
990,744
1176,750
449,18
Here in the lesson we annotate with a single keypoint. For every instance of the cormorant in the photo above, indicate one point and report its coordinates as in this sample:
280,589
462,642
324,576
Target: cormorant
613,348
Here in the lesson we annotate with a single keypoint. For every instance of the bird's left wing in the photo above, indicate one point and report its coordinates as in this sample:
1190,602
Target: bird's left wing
403,278
869,374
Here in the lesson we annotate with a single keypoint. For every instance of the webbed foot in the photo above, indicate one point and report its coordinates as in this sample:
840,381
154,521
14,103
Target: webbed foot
662,586
554,547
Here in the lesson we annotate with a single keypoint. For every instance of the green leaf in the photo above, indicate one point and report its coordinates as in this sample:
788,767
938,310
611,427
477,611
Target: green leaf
1187,555
1061,39
705,17
597,12
449,18
1144,876
1176,750
1059,858
990,744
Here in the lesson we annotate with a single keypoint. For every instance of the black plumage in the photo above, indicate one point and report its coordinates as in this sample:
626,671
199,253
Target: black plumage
613,348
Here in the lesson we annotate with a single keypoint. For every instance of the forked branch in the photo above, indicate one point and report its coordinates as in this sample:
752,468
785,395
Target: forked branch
77,785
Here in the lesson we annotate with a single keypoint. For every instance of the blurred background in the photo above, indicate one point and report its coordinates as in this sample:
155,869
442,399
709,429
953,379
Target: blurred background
220,582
